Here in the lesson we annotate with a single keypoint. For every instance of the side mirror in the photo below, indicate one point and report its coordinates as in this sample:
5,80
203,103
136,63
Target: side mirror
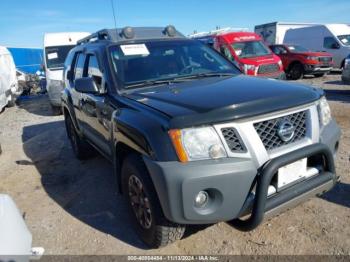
335,46
86,85
69,75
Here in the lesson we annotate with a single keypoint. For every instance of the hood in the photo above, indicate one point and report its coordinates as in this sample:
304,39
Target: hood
222,99
54,74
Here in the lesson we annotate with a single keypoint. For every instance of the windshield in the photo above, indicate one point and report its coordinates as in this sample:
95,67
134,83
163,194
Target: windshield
345,39
297,49
250,49
165,60
56,55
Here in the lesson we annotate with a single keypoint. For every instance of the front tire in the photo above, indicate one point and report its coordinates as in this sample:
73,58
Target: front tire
147,216
11,102
296,72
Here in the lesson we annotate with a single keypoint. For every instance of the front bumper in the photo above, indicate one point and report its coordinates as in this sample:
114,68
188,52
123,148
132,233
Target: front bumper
55,93
317,69
230,182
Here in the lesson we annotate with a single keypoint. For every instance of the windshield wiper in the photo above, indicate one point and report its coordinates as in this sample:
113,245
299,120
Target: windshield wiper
152,83
177,79
202,75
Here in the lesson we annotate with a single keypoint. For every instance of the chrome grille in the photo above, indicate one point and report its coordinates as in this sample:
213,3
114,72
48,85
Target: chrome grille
266,69
325,59
267,130
233,140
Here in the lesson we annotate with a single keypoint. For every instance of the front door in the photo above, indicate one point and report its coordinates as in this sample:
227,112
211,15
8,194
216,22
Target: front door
96,109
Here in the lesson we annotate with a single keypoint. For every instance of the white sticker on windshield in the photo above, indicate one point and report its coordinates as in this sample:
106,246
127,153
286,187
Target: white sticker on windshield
291,48
238,52
52,56
344,41
139,49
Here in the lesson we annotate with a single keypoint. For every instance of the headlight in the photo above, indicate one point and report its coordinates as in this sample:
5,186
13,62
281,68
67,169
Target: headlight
324,112
197,144
347,63
312,58
280,63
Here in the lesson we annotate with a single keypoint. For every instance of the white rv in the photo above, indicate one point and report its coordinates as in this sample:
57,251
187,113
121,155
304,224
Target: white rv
56,49
331,38
8,79
273,33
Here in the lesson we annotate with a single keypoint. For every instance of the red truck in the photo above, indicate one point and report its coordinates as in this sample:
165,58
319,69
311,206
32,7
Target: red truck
246,50
299,61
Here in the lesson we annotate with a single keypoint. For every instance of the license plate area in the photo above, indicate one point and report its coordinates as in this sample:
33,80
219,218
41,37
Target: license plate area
291,173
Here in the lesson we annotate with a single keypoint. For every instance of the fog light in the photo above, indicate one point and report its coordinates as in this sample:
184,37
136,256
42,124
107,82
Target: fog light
201,199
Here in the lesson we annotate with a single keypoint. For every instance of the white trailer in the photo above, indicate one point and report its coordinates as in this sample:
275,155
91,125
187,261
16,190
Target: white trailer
8,80
273,33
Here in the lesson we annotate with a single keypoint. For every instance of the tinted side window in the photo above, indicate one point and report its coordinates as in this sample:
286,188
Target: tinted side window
278,50
329,42
79,68
226,52
94,70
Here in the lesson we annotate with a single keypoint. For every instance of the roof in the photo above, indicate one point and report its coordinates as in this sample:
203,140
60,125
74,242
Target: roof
63,38
239,36
4,50
136,33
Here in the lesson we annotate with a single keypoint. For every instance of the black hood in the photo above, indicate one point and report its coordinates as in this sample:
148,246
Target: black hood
219,99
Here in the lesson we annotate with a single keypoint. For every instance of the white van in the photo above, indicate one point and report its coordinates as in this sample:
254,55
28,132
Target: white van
56,49
331,38
8,79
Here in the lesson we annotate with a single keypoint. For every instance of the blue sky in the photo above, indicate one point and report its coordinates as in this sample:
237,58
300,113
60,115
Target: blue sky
24,22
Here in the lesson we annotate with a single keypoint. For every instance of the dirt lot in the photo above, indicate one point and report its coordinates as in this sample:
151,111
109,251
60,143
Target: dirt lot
71,206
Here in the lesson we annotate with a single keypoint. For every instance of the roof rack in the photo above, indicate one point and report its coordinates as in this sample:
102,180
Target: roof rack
104,34
132,33
219,31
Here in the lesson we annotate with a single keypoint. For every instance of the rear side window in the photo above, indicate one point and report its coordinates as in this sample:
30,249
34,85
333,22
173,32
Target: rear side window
329,42
94,70
79,67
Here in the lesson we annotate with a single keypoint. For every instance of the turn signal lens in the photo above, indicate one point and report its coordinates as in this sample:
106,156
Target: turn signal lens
175,136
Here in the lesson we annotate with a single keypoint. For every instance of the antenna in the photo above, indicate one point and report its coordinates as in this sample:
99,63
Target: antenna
115,21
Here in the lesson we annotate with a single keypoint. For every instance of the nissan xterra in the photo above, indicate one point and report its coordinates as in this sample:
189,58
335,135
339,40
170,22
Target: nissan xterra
191,139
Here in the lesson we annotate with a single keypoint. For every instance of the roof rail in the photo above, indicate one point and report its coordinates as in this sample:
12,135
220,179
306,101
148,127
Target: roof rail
132,33
219,31
103,34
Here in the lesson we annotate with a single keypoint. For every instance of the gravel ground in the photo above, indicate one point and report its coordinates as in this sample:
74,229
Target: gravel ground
71,207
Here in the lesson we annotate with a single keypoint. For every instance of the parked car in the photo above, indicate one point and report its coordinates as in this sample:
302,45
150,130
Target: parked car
56,48
15,238
331,38
191,139
299,61
346,71
247,51
9,89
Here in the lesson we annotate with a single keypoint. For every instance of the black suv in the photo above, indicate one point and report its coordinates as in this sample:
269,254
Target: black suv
192,141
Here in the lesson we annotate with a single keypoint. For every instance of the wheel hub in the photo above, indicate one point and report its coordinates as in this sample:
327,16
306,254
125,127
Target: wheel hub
140,202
